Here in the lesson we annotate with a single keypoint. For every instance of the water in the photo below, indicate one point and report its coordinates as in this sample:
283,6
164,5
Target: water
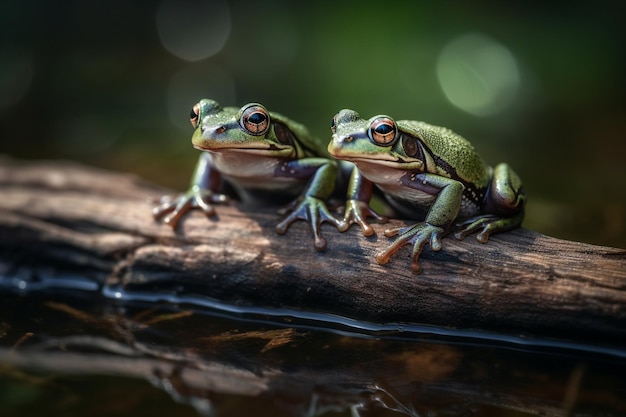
77,352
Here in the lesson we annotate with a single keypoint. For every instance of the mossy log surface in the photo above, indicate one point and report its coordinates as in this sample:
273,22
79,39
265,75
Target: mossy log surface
63,219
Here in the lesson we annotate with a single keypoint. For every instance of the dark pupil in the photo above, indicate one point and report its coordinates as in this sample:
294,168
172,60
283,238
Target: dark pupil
383,129
257,118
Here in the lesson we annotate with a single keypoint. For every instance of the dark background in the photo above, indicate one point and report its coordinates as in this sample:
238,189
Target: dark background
540,86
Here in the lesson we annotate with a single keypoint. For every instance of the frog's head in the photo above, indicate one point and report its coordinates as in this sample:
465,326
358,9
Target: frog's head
249,129
377,141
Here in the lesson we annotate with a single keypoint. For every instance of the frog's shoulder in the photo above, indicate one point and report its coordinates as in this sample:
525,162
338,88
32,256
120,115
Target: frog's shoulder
450,147
302,133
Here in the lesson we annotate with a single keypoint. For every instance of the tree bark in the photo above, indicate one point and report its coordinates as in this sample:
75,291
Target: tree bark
61,221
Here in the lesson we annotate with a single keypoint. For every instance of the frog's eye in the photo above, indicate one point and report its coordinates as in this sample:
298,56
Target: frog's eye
255,120
383,130
194,115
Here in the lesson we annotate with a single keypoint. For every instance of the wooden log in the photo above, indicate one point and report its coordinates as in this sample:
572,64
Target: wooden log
61,219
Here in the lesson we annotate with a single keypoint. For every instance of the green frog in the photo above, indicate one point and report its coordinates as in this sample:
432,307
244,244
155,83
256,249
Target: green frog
265,157
426,173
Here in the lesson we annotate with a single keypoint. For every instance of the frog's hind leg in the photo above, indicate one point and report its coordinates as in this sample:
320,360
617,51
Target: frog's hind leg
490,223
505,196
503,207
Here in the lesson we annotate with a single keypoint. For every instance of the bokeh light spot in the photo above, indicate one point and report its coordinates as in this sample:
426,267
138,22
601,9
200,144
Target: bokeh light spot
478,75
193,29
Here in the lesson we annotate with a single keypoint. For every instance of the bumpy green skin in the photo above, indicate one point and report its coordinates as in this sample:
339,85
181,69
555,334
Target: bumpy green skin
279,160
452,148
425,172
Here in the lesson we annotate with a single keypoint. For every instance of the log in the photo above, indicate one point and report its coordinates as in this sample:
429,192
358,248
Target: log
61,222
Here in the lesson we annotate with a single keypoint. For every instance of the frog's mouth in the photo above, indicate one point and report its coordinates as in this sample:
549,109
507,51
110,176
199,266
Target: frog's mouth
378,158
398,164
388,161
252,149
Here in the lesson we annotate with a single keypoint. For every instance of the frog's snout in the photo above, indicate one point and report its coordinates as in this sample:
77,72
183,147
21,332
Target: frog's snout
338,142
212,131
346,139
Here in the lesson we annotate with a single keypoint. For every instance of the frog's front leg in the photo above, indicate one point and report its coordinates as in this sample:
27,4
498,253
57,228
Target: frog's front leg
503,206
201,194
440,216
357,208
311,206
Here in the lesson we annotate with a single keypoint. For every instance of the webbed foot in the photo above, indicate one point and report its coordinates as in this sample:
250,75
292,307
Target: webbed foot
357,212
489,223
313,211
173,209
418,234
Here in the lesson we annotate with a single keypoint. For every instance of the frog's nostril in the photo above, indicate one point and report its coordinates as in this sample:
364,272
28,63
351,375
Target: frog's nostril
339,140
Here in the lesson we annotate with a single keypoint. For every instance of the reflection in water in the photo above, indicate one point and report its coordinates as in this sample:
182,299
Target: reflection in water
222,367
193,29
478,75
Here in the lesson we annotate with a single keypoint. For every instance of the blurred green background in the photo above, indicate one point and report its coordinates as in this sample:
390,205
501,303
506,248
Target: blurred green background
539,85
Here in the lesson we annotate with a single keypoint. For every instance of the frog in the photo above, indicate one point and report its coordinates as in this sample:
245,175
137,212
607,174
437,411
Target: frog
426,173
265,158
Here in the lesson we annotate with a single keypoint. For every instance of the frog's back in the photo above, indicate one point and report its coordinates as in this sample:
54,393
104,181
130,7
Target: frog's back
450,149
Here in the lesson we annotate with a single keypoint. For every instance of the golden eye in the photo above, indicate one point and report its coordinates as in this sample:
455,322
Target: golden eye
383,130
255,119
194,115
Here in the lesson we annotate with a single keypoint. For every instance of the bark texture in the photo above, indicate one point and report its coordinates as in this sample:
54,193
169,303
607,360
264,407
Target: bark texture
64,220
